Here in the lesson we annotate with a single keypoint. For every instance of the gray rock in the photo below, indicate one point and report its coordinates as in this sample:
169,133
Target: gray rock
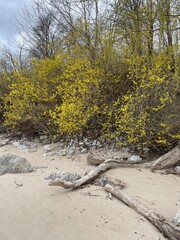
84,151
10,163
176,219
60,145
72,151
64,176
125,149
94,143
43,137
71,143
4,142
177,169
63,152
17,144
81,143
146,149
98,144
47,148
47,141
135,158
24,145
103,181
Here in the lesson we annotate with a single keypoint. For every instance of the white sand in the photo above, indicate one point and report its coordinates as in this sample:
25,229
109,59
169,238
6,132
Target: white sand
37,211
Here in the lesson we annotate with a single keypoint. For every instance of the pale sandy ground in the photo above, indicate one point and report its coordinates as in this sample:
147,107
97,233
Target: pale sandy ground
37,211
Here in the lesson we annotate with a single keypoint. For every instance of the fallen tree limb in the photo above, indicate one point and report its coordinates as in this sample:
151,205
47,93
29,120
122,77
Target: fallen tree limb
168,229
93,174
96,157
170,159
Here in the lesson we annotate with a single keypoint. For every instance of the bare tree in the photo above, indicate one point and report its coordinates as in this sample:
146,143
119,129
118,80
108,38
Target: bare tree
39,31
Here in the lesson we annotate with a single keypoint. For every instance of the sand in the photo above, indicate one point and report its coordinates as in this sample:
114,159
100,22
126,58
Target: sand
32,210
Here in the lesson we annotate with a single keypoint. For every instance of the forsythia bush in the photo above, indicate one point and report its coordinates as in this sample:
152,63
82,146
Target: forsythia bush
79,90
148,113
31,96
5,82
139,101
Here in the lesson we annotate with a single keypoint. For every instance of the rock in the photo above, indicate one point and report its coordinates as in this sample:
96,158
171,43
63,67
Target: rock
60,145
10,163
176,219
146,149
103,181
64,176
71,143
63,152
47,148
24,145
84,151
135,158
98,144
81,143
94,143
44,139
177,170
125,149
31,146
72,151
17,144
4,142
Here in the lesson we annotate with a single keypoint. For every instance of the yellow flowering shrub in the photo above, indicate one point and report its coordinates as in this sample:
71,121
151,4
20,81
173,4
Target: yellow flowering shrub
145,114
31,96
5,82
139,101
80,97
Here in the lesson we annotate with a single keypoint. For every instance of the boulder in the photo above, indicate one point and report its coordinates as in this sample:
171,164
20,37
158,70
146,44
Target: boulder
64,176
10,163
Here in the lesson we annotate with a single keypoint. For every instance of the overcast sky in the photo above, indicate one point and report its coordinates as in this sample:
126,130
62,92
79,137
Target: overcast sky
9,11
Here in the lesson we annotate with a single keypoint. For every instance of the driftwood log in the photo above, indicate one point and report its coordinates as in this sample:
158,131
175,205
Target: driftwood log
168,229
168,160
96,157
93,174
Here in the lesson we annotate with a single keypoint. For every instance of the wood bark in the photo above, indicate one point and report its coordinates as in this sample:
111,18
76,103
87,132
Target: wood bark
168,229
121,162
168,160
93,174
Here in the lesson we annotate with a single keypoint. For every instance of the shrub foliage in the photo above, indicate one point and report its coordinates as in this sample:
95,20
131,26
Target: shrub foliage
70,97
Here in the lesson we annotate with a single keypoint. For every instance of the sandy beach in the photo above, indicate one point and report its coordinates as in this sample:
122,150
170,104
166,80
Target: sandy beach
32,210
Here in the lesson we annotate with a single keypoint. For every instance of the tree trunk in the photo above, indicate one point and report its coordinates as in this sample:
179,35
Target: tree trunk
168,229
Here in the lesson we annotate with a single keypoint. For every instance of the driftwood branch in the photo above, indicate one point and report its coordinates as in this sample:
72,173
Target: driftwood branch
93,174
123,162
168,229
168,160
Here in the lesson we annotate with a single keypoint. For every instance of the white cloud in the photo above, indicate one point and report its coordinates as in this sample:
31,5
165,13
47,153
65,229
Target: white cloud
9,11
